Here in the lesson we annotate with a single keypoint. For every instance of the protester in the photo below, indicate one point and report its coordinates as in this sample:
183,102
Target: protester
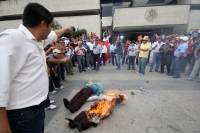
118,52
24,89
97,51
156,55
80,51
178,58
69,55
125,49
196,67
91,55
143,56
132,54
192,59
113,54
166,56
104,51
87,64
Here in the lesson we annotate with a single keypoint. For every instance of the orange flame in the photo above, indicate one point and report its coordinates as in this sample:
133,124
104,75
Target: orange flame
103,108
112,93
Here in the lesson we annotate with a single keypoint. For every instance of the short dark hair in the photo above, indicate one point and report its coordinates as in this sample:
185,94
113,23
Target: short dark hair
34,14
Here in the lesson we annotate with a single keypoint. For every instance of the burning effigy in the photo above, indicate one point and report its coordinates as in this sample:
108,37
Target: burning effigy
98,111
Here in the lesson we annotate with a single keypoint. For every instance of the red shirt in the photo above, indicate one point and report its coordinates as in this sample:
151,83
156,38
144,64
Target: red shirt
189,44
126,45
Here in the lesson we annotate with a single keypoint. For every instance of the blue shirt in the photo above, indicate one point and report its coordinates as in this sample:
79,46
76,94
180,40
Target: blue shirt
182,48
87,47
112,48
96,88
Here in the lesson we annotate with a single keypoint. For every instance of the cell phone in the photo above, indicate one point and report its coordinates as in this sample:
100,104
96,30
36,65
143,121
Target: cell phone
74,29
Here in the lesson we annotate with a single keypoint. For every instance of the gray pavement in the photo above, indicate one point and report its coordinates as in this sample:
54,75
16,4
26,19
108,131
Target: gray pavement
167,106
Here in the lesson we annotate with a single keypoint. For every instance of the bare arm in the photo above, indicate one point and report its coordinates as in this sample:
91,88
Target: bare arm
62,31
57,61
145,50
4,125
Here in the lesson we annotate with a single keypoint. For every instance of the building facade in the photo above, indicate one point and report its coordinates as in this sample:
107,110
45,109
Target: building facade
127,17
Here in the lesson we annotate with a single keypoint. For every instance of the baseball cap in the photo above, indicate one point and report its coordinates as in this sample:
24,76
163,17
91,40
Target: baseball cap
56,51
184,38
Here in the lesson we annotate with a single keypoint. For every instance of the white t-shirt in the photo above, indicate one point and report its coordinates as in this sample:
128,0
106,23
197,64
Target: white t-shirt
156,50
90,45
121,37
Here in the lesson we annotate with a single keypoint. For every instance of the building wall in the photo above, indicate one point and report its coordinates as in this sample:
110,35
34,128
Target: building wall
188,2
92,23
194,20
167,15
17,6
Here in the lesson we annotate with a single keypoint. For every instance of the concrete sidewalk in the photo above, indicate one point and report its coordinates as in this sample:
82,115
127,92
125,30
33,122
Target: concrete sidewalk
167,106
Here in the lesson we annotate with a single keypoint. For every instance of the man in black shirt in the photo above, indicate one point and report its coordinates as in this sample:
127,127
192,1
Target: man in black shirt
166,56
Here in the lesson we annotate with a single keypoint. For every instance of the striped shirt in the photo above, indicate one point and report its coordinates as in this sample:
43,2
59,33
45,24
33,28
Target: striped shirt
126,45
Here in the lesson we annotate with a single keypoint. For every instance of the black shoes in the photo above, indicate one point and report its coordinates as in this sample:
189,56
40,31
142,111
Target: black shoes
128,69
170,74
66,102
84,70
133,68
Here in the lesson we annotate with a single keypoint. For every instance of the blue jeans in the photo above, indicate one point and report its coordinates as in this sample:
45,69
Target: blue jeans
176,67
81,62
86,60
27,120
131,61
142,64
114,58
118,61
124,57
156,58
91,59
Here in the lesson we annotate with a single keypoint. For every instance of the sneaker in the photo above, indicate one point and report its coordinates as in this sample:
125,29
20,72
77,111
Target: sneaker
53,92
88,68
141,75
156,70
128,69
62,87
52,101
189,79
51,107
84,70
133,68
137,73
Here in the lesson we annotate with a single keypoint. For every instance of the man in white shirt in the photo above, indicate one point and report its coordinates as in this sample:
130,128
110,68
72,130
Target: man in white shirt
91,55
24,80
156,54
104,51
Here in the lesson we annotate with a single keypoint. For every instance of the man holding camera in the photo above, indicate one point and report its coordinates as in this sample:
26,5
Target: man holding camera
24,80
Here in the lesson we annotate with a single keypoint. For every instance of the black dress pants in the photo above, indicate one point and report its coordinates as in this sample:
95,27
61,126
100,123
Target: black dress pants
83,120
166,60
79,99
96,58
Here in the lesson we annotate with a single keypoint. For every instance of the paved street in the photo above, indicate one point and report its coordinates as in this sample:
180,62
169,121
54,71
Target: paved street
166,106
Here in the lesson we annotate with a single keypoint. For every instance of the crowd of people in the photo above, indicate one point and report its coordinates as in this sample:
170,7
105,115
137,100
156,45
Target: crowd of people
174,52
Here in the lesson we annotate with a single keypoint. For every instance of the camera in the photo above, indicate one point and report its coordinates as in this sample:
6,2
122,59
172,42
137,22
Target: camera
74,29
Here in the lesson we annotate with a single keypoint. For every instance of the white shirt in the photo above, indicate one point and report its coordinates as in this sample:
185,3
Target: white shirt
132,50
156,50
69,52
90,45
104,49
66,42
23,79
